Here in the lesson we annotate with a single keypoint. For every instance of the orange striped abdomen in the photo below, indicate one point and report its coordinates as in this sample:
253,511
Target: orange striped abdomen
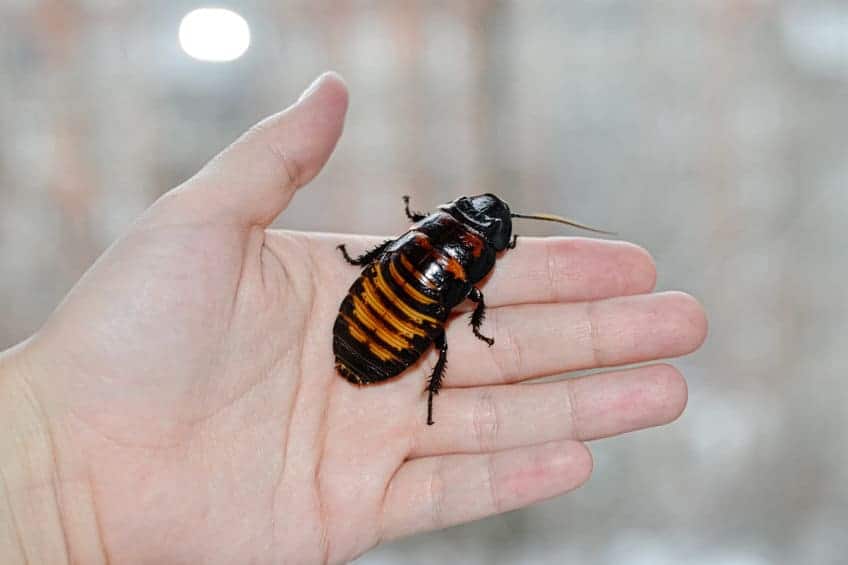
387,320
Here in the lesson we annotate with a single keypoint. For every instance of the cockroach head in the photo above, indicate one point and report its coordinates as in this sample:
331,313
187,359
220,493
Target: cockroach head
488,214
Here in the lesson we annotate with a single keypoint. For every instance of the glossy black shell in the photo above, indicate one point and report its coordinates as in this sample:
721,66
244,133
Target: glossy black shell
399,304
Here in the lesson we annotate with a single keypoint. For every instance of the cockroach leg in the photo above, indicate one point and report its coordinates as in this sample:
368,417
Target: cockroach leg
435,382
512,244
413,216
479,314
366,257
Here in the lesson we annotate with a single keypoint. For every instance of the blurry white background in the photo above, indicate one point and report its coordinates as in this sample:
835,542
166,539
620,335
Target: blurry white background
713,132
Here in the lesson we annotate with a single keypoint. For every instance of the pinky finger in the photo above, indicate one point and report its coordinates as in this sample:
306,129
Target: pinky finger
436,492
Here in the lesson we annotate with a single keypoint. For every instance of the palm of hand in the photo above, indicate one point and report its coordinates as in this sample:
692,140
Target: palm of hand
215,412
200,405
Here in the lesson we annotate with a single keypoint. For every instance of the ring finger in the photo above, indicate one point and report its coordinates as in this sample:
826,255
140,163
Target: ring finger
484,419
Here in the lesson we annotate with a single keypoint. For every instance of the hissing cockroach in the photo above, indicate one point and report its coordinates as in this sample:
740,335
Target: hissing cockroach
400,303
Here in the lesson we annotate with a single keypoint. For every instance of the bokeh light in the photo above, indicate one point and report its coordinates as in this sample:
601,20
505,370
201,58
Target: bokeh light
214,34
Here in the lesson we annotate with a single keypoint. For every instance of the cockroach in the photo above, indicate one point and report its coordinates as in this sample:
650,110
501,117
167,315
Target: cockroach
401,301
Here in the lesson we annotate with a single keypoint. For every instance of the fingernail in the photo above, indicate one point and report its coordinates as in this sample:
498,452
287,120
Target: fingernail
312,88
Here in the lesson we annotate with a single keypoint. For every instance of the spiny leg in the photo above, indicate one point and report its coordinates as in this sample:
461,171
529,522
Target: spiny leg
413,216
479,314
366,257
435,382
511,244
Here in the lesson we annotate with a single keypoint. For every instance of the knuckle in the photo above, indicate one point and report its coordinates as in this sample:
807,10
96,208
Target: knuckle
508,353
551,273
573,413
265,132
593,337
291,166
495,498
486,422
436,496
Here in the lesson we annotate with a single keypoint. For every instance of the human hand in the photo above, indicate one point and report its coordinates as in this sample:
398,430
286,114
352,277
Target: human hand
181,405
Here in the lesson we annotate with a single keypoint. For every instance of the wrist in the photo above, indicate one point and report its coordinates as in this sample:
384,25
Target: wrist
35,506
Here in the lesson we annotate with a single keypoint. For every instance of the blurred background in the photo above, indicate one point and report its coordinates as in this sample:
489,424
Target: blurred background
712,132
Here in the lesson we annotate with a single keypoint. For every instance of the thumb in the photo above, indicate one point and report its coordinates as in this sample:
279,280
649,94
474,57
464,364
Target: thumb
254,179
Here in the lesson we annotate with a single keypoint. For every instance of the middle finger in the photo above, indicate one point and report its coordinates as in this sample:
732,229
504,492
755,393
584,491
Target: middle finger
538,340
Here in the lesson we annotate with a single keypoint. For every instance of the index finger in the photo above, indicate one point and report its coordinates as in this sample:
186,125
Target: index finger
537,271
568,269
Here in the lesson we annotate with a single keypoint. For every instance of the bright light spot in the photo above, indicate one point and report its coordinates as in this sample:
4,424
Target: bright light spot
214,34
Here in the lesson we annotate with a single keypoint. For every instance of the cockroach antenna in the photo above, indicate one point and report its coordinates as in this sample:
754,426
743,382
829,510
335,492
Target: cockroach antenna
559,220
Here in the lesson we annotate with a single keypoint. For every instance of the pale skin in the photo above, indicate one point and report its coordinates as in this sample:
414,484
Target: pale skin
181,404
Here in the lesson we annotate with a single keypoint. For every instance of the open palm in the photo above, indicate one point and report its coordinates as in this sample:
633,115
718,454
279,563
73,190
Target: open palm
189,386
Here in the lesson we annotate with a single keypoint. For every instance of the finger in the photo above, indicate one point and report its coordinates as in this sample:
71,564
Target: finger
437,492
537,340
568,269
539,270
254,179
482,419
